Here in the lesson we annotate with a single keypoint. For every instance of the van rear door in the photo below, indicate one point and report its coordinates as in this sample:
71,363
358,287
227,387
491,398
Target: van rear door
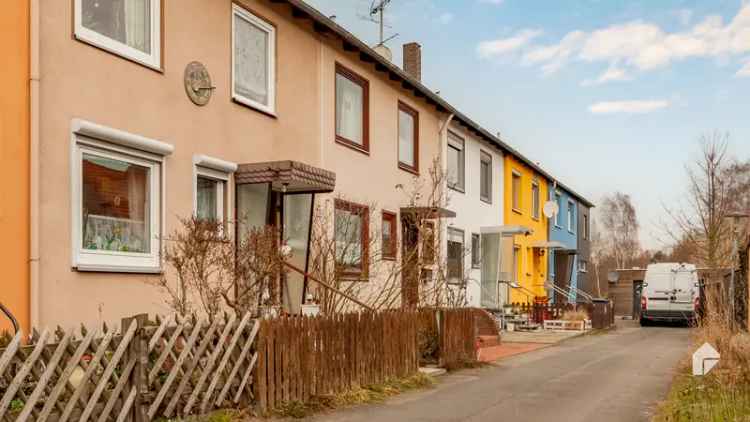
658,290
683,285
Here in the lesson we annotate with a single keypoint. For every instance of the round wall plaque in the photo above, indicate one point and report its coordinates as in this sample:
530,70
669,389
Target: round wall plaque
198,83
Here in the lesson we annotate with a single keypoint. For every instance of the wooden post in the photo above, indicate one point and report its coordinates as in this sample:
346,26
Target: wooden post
138,351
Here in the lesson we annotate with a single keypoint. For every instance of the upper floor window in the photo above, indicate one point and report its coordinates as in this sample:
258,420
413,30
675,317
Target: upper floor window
253,60
535,203
408,138
571,216
585,227
516,191
352,105
558,216
130,28
455,261
456,162
485,177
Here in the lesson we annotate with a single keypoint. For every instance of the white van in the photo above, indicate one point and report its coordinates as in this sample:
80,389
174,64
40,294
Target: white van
671,292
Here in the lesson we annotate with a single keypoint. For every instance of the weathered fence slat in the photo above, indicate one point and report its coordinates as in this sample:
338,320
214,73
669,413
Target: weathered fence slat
46,376
25,369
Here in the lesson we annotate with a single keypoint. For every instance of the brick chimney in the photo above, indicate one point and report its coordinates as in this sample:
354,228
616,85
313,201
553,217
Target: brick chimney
413,60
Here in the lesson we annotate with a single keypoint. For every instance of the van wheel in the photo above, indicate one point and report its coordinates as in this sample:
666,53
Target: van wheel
645,322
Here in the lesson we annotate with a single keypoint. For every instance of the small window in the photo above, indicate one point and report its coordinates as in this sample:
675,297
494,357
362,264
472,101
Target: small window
516,262
129,28
571,216
351,239
211,194
253,60
352,92
558,216
535,203
476,252
455,256
456,162
408,138
485,177
389,235
516,191
583,266
585,227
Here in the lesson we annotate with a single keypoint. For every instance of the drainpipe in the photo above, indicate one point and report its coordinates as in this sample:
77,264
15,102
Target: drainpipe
34,46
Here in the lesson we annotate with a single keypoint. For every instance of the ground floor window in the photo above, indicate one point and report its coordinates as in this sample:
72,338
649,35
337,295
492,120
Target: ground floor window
476,252
212,191
351,238
117,201
455,256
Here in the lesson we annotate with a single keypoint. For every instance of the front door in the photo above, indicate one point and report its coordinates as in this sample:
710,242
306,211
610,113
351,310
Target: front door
410,259
562,275
637,289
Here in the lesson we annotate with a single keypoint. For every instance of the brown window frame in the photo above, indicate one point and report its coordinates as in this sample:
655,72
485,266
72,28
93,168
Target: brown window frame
415,116
392,217
365,84
485,157
364,213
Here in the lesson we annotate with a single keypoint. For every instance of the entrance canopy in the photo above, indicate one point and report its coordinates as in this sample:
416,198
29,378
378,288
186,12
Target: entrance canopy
549,244
428,212
287,176
507,230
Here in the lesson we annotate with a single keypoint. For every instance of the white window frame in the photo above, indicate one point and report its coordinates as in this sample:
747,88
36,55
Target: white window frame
112,143
486,157
571,216
536,199
583,266
261,24
558,201
89,36
221,171
516,197
458,142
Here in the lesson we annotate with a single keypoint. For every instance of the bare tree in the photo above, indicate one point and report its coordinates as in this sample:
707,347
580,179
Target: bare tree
619,227
702,222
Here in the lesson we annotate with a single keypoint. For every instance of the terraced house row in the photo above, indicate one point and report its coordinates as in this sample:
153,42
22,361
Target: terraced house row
121,116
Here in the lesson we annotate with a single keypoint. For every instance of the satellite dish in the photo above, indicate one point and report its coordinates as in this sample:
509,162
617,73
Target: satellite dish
613,276
384,51
551,209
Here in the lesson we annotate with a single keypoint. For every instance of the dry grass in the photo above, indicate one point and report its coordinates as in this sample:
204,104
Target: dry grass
724,394
578,315
363,395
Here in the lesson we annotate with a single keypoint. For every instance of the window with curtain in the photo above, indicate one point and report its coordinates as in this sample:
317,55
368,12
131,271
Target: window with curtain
351,238
115,201
516,191
535,199
408,138
455,259
351,109
456,162
485,177
130,28
254,60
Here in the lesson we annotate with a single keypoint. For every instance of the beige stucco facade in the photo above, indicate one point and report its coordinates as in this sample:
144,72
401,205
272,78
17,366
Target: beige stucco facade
80,81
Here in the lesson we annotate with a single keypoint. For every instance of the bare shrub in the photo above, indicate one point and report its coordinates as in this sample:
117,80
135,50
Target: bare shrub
577,315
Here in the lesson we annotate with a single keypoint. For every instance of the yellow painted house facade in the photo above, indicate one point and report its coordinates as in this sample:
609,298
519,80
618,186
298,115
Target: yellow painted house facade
525,192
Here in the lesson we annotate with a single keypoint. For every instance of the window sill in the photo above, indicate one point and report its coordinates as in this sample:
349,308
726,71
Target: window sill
457,189
156,68
517,211
117,269
535,218
352,145
240,102
486,200
407,168
477,267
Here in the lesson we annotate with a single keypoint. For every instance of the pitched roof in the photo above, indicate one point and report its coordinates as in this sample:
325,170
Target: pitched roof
323,24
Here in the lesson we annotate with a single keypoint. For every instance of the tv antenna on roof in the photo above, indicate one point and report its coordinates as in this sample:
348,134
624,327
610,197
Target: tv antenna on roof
377,15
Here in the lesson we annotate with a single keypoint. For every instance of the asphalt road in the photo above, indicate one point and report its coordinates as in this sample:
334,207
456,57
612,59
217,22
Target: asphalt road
618,376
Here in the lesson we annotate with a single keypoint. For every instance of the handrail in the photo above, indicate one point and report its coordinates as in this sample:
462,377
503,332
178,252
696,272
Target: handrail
10,316
562,291
331,288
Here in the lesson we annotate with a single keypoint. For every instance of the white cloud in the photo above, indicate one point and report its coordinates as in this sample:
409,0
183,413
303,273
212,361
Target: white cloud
612,74
744,71
499,47
445,18
630,107
633,46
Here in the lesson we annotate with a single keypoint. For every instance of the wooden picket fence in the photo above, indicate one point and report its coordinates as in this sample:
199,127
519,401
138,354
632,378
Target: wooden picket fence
300,358
456,331
139,373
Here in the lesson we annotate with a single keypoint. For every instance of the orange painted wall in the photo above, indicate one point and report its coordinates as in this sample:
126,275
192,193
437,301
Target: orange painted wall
14,161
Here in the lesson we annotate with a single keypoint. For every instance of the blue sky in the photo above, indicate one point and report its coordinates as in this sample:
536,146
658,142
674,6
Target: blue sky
606,95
